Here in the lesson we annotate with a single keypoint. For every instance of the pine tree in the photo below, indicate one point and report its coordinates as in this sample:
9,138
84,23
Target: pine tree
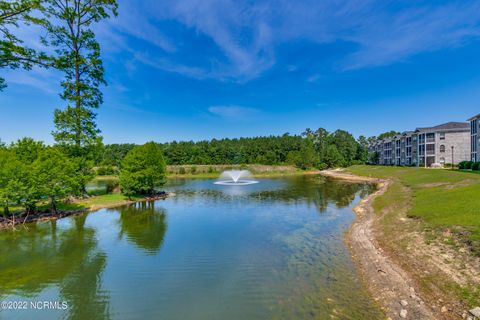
13,53
68,25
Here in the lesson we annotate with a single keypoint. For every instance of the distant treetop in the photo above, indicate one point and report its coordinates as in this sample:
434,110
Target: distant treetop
387,134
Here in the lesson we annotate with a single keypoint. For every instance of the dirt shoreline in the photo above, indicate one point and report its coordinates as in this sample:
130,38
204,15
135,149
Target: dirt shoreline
389,284
49,216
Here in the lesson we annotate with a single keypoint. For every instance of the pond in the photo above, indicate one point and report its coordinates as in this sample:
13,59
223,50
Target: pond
272,250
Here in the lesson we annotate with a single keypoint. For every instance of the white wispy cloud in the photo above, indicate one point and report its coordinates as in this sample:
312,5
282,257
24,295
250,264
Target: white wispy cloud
250,34
43,80
234,112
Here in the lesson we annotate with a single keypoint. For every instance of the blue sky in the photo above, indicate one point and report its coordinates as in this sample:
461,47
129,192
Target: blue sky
199,69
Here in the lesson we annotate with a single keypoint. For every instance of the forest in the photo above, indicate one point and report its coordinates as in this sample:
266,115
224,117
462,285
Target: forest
312,149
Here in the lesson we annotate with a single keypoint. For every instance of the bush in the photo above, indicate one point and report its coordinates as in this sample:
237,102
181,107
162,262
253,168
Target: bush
182,170
193,170
143,169
476,166
106,170
468,165
461,165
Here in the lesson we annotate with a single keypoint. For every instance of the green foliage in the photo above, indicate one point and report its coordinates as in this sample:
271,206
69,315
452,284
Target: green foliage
345,144
333,157
362,150
83,173
54,176
113,154
68,25
468,165
12,184
13,53
387,134
27,150
143,169
304,158
462,164
476,166
182,170
106,170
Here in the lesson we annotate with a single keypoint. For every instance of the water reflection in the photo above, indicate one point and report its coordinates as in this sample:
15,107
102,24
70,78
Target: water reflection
314,190
252,252
144,225
59,254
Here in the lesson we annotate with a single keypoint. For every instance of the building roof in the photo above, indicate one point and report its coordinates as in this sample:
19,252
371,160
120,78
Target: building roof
407,133
474,117
449,126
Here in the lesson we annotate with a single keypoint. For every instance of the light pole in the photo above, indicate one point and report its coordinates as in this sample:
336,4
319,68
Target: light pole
452,156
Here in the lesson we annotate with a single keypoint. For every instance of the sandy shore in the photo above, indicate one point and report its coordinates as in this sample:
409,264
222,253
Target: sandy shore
388,283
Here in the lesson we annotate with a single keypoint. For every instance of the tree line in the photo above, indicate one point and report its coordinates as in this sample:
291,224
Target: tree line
312,149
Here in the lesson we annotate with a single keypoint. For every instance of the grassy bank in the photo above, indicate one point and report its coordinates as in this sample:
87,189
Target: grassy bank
443,199
213,171
438,208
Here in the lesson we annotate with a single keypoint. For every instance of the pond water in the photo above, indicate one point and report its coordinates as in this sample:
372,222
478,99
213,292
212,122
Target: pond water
272,250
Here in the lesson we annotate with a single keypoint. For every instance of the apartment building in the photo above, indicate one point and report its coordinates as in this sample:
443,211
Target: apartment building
387,151
442,144
474,137
445,143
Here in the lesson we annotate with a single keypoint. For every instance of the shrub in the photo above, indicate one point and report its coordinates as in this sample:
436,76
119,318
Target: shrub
182,170
476,166
461,165
193,170
143,169
106,170
210,170
468,165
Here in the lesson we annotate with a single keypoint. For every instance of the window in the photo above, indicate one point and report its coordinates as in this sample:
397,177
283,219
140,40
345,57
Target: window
442,148
421,150
409,141
442,135
430,149
421,139
430,137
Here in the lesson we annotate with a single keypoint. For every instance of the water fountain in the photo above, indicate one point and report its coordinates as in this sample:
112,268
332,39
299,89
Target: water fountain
236,178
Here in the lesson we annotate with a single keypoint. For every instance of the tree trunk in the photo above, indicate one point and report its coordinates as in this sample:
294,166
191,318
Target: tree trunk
77,100
54,206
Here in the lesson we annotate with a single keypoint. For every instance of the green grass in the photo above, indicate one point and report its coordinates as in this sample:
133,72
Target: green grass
441,198
106,200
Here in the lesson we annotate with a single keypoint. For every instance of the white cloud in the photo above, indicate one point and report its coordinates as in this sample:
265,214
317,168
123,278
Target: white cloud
41,79
251,34
234,112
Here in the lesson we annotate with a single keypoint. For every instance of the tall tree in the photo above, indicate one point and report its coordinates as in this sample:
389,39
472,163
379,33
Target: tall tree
13,53
68,25
362,150
143,169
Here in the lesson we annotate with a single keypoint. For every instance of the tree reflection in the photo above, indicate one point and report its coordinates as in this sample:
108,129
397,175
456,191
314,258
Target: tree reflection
48,254
316,190
144,225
